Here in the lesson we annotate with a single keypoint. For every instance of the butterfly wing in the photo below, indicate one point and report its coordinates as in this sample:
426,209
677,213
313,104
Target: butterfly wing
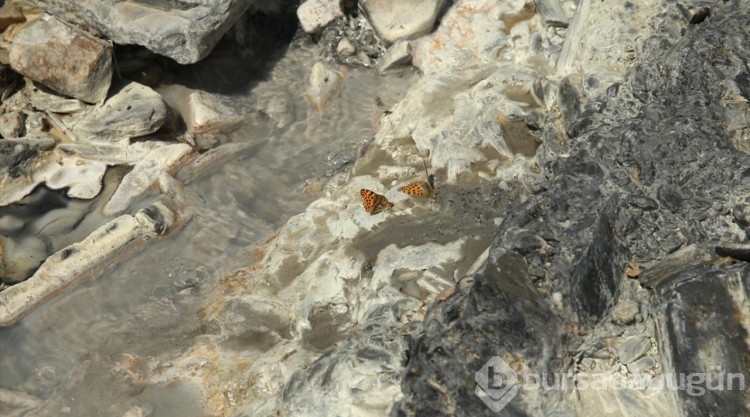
418,188
373,202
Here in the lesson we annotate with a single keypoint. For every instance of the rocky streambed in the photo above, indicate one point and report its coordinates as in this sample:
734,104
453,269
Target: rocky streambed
184,230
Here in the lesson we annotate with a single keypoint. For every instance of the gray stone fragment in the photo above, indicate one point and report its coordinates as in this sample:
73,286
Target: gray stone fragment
552,12
63,58
47,101
670,196
399,54
624,312
694,15
402,19
740,251
132,110
185,31
633,348
345,48
12,124
642,365
314,15
570,99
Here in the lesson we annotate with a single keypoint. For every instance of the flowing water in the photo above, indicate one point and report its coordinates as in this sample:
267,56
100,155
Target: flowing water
79,354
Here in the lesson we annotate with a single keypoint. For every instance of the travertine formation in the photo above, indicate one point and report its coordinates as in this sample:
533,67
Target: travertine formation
588,220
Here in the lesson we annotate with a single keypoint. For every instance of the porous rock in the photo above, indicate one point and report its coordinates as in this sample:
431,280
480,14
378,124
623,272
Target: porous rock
63,58
131,110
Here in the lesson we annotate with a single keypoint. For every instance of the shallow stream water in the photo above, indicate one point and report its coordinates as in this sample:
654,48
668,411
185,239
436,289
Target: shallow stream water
71,352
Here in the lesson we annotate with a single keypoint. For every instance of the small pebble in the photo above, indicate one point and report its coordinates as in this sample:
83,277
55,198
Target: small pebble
345,48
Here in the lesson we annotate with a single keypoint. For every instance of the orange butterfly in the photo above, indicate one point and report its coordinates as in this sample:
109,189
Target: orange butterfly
373,202
419,188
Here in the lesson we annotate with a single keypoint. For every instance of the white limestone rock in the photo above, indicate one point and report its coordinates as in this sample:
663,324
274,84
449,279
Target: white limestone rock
11,124
146,173
184,31
345,48
132,110
204,112
314,15
399,54
49,102
402,19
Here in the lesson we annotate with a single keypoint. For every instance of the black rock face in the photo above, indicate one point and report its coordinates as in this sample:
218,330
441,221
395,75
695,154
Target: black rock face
652,167
495,313
703,334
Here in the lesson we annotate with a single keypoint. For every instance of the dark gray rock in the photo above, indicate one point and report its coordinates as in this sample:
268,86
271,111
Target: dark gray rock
495,313
633,348
18,156
650,174
700,326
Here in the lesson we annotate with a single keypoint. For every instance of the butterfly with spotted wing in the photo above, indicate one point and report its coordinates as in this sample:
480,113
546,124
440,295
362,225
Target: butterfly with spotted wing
373,202
420,188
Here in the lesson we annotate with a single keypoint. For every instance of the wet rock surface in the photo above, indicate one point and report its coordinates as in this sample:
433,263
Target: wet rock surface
544,216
